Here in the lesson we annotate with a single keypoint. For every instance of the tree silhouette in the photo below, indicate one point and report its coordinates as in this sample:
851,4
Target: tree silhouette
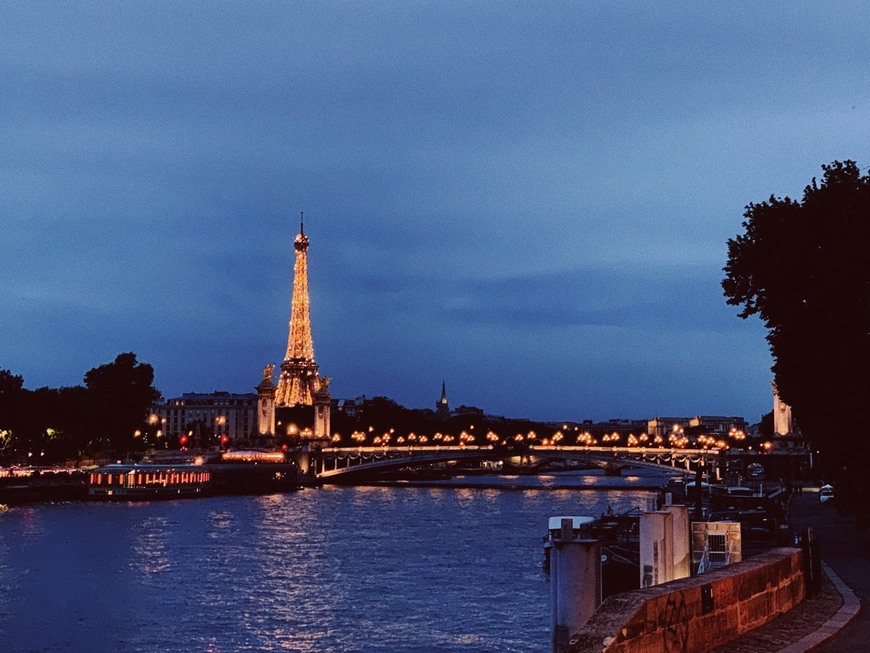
120,392
801,267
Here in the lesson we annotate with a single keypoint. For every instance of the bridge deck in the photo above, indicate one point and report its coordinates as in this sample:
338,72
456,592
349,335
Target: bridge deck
332,462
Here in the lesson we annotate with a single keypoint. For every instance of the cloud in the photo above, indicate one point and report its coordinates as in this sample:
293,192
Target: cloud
532,204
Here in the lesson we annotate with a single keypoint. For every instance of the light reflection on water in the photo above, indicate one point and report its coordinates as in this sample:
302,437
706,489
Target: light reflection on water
150,547
370,569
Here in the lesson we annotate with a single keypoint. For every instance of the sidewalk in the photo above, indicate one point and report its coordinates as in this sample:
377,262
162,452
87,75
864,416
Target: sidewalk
846,551
830,621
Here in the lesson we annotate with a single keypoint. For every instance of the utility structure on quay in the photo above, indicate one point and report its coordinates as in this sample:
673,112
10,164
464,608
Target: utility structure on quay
298,381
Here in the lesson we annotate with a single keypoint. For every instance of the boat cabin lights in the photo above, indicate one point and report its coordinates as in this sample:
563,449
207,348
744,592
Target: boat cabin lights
253,456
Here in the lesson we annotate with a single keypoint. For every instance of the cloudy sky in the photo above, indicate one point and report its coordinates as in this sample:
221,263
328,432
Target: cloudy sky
529,201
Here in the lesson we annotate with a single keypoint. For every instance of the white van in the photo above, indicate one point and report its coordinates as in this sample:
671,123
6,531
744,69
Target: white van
826,493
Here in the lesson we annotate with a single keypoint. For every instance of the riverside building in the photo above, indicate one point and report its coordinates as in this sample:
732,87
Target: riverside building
204,416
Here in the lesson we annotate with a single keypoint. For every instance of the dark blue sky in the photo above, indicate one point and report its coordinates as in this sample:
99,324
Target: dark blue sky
530,202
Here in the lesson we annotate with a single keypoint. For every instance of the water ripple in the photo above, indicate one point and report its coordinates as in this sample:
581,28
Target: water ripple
343,570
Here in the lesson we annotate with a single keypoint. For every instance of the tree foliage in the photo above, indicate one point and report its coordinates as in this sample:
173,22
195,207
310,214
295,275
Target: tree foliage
49,425
802,268
123,390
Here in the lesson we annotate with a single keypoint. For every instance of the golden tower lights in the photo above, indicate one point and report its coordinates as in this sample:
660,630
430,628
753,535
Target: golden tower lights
298,381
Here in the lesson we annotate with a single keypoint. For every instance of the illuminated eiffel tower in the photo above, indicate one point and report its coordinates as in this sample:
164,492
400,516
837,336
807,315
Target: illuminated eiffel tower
299,381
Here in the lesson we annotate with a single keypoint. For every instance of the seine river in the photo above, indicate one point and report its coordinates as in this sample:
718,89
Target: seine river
343,569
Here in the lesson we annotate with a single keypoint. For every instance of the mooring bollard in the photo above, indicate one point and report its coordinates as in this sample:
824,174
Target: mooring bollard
575,582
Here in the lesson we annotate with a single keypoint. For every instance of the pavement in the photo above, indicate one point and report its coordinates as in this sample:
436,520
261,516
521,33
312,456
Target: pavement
846,552
831,620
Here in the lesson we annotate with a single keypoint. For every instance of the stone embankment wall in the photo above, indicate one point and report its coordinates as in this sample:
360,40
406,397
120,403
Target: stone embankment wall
698,613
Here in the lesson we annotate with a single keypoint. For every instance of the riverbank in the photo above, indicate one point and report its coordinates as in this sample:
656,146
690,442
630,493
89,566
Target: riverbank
825,621
828,620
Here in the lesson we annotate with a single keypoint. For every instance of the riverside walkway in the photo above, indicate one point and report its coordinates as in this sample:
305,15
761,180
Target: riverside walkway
846,551
830,621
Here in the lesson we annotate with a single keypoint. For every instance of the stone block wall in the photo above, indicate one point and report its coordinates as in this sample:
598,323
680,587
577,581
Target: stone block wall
693,615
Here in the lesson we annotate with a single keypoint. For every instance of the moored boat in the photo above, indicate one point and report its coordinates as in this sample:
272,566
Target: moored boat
249,472
134,482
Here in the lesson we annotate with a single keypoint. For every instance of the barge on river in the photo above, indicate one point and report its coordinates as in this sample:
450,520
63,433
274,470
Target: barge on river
128,482
240,473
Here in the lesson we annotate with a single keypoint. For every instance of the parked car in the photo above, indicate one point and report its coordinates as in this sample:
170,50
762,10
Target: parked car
826,493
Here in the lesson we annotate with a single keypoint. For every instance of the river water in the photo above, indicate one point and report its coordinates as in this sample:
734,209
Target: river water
335,569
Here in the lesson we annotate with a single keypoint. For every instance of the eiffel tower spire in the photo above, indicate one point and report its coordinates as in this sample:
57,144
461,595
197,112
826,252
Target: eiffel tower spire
298,380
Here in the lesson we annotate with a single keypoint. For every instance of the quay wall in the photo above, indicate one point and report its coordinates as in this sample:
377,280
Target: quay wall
696,614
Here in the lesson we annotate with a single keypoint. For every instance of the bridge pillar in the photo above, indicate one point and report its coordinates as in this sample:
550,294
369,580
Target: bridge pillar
303,461
575,583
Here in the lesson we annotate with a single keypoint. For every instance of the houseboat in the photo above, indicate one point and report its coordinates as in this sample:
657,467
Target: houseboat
132,482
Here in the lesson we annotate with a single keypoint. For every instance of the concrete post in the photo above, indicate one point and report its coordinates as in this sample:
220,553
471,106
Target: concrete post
656,543
575,583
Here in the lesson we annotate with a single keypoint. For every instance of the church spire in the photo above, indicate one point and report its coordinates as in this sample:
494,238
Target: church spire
442,408
298,380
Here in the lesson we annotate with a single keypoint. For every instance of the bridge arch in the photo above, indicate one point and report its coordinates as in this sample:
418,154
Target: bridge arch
344,464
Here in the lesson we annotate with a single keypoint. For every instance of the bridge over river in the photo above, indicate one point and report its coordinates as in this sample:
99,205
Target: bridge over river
343,464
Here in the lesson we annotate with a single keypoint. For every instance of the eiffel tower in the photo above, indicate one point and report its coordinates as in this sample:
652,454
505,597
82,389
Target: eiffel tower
299,381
